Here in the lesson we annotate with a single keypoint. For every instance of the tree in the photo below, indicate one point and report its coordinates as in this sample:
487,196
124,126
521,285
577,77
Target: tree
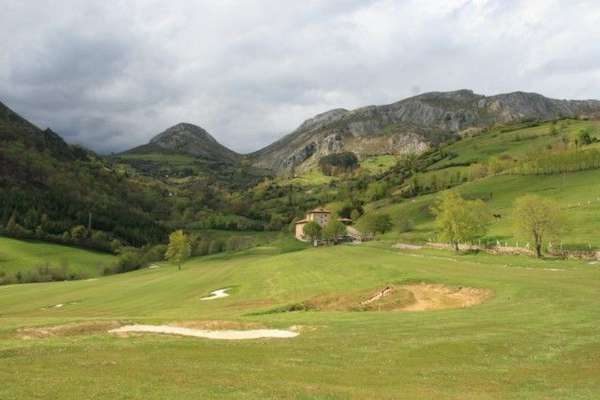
11,226
376,191
377,223
78,233
583,138
459,220
313,231
334,230
115,246
179,248
538,219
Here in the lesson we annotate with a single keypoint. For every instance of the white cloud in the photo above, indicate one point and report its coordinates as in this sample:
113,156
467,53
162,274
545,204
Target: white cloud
113,74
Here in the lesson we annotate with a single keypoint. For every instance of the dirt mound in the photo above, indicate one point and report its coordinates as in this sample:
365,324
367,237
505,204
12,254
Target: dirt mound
440,297
72,329
413,297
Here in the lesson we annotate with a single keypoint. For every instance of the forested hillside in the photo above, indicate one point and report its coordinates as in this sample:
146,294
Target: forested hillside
50,189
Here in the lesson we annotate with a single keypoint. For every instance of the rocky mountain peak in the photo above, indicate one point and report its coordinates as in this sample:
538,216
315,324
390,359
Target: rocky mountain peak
322,119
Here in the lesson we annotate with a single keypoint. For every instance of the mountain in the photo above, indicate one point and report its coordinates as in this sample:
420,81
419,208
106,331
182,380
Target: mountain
188,151
410,125
187,139
50,187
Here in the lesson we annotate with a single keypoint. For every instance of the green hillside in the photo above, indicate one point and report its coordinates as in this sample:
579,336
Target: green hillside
537,338
486,166
27,257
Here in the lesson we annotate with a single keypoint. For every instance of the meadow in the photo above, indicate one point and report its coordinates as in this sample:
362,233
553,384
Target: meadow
537,337
22,256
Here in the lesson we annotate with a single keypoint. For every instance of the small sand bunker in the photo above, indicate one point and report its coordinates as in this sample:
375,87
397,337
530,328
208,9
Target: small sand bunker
439,297
71,329
208,334
217,294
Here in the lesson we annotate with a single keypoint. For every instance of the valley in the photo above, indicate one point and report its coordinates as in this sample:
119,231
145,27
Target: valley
172,270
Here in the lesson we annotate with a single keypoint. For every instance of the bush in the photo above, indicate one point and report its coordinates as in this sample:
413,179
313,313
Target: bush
377,223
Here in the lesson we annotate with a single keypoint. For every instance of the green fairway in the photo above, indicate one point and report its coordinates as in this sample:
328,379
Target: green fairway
24,256
538,337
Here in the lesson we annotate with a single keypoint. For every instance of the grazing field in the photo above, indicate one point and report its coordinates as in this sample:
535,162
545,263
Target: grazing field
577,193
536,337
25,256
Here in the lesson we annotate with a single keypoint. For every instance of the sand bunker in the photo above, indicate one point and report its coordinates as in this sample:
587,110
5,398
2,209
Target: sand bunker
208,334
440,297
217,294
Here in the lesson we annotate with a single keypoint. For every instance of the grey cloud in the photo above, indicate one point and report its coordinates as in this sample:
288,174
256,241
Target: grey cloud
110,75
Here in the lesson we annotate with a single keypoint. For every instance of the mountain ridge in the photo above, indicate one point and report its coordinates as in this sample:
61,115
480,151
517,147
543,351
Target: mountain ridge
412,125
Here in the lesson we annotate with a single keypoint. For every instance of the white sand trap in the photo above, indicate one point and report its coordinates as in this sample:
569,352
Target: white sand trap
58,306
201,333
217,294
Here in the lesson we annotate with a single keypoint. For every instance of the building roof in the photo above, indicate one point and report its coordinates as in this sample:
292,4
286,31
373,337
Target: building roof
320,210
302,221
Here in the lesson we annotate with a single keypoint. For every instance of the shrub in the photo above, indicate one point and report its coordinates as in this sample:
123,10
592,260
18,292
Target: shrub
337,163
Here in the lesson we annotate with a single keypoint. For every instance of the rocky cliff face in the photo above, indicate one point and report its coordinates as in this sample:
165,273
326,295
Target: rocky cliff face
410,125
188,139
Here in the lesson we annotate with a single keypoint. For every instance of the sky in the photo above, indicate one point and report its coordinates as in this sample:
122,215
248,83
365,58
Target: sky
112,74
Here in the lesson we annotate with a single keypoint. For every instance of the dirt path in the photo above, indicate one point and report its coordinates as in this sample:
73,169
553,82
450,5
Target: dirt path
217,294
201,333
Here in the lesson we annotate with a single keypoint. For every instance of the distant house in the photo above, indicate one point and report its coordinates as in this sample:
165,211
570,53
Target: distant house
322,216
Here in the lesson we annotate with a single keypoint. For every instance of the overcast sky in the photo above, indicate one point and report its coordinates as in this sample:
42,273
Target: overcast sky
112,74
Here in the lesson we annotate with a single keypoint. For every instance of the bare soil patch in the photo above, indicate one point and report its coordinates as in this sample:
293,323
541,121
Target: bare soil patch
412,297
71,329
440,297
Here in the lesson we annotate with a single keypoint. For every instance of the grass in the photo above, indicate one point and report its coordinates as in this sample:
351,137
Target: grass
22,256
538,338
577,193
515,144
312,177
173,159
378,164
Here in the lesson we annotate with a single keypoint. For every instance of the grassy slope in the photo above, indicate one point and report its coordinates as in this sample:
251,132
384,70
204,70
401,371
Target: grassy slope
578,193
538,338
19,255
572,191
